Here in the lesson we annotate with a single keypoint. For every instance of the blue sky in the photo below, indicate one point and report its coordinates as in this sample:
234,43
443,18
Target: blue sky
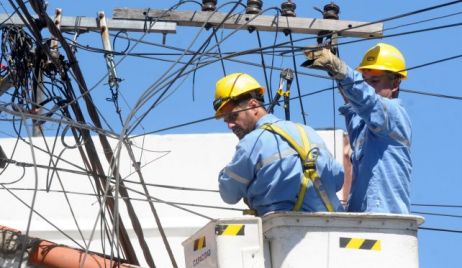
437,126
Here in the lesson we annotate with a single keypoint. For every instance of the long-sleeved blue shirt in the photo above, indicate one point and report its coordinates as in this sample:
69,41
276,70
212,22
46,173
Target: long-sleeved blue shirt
380,135
267,171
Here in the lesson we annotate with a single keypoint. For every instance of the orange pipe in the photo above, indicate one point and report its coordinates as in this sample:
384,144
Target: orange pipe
6,228
52,255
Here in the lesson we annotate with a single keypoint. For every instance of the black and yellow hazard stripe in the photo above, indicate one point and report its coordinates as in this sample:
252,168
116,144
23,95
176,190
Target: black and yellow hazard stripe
199,243
230,229
360,243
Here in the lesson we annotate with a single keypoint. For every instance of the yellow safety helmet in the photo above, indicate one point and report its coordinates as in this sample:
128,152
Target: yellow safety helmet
232,86
384,57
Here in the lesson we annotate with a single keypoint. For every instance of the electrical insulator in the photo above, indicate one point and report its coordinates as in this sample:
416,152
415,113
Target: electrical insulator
254,6
331,11
209,5
288,9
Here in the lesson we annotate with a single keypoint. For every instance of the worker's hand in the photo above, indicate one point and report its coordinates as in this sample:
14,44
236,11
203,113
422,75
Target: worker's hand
323,59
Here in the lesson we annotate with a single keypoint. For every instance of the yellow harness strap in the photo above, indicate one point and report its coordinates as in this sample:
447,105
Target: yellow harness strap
309,165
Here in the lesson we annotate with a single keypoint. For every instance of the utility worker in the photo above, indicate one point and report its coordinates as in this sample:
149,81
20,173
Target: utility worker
378,126
278,165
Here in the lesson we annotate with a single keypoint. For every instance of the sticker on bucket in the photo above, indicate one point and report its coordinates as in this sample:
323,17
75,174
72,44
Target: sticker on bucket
199,243
230,229
360,243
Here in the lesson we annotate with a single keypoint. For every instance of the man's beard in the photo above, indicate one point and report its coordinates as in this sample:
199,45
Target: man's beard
240,132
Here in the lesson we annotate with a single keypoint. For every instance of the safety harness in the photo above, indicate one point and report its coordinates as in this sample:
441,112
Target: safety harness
305,152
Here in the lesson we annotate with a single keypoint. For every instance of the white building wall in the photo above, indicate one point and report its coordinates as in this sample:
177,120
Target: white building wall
190,160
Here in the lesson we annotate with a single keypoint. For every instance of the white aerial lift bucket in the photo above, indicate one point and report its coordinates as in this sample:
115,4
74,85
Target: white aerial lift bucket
297,239
300,239
234,242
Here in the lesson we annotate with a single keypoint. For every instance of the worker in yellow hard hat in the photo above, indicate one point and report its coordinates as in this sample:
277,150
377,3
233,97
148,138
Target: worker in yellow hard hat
378,126
267,169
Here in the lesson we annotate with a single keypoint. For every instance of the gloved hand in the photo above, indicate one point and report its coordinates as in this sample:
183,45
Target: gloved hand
323,59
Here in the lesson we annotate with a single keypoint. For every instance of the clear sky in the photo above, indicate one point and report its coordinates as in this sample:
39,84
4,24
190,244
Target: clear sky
436,120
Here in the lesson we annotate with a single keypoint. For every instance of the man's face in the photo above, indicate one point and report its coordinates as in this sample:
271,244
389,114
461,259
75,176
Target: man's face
239,118
384,83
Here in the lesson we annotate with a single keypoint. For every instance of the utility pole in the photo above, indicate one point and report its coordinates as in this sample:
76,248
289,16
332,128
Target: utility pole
91,24
255,21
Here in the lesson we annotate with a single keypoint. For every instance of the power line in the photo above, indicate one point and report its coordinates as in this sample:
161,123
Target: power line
440,230
146,199
423,21
437,214
430,94
437,205
174,187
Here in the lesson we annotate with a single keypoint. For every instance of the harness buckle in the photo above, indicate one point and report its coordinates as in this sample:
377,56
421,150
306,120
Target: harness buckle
309,165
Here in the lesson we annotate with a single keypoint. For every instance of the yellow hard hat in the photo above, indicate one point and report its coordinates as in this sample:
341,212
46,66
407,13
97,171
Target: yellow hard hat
231,87
384,57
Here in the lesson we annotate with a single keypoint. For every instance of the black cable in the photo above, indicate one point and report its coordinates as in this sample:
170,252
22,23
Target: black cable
440,230
272,53
436,205
180,72
220,55
115,38
9,17
437,214
55,168
229,57
200,52
435,62
407,14
169,83
262,58
68,202
174,187
42,217
213,117
22,58
65,120
175,126
296,80
131,198
438,95
166,202
423,21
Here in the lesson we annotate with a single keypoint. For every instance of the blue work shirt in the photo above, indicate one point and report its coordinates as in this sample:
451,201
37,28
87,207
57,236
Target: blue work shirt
380,136
268,172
